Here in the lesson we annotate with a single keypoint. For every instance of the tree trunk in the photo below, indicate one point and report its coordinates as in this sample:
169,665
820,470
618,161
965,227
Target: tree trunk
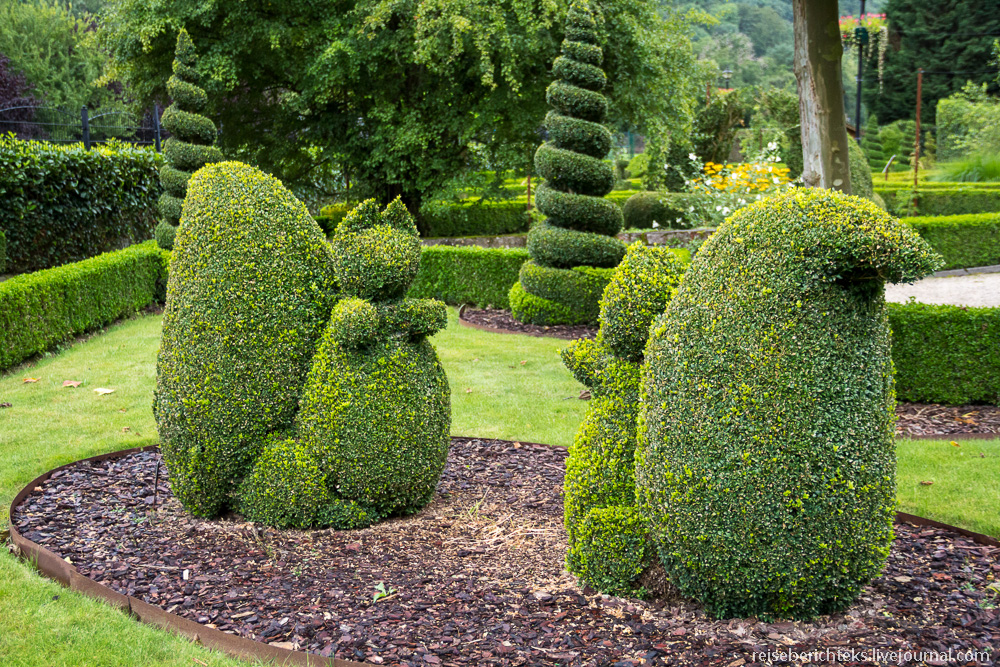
818,51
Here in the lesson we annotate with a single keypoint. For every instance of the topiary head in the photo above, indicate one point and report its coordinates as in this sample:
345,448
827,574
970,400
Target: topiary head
640,290
377,252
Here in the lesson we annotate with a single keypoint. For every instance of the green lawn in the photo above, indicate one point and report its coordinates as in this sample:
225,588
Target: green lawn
510,387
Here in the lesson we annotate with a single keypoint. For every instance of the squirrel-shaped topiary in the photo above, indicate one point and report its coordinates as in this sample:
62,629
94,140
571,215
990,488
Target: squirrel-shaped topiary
574,250
608,543
279,396
192,142
766,460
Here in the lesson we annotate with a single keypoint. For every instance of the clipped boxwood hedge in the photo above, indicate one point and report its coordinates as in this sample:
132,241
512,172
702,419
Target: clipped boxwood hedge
946,354
963,240
934,201
39,310
63,204
480,277
479,219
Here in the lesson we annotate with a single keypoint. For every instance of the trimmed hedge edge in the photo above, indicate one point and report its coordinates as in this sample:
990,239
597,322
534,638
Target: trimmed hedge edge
39,310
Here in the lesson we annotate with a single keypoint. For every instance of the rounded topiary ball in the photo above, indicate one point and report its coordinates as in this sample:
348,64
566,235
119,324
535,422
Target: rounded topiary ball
766,460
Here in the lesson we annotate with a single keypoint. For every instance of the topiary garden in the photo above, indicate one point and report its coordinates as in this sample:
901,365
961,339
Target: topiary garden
574,250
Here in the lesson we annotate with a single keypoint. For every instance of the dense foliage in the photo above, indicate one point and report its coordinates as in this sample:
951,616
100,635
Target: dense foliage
15,95
608,545
766,459
480,277
436,83
963,240
563,282
56,51
39,310
190,133
251,287
63,203
968,122
953,39
946,354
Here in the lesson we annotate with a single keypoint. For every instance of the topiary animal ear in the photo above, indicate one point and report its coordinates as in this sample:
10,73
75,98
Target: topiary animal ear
364,216
398,217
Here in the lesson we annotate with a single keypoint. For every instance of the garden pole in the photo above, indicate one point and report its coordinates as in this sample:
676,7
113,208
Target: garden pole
916,142
85,124
857,106
156,126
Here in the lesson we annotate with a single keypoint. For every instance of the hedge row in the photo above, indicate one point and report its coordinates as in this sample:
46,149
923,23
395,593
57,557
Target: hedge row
38,310
482,219
963,240
477,276
946,354
63,203
956,201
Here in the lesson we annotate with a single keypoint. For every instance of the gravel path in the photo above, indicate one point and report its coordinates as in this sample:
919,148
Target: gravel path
981,290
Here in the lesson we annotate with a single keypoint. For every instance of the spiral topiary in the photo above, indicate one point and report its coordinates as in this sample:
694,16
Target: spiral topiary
766,461
191,145
608,543
573,251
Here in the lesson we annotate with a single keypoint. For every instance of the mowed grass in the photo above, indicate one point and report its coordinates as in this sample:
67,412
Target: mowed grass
494,395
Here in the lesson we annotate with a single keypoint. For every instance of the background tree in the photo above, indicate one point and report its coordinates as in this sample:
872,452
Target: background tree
818,52
56,51
954,37
395,92
14,93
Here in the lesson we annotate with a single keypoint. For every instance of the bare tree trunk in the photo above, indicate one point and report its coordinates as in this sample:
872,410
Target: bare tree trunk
818,51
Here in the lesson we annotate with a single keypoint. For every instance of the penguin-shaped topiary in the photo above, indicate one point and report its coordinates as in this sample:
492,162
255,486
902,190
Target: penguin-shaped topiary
766,461
192,142
608,544
574,250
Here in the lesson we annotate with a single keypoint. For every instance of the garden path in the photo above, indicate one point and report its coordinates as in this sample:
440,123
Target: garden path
976,287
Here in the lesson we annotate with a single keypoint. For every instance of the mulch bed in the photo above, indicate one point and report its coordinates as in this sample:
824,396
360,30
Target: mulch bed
915,419
476,578
502,320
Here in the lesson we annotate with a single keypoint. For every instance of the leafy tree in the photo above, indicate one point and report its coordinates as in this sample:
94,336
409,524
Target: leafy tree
397,93
56,51
14,92
952,37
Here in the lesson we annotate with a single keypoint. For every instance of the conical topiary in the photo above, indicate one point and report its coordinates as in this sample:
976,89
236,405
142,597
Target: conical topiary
574,251
191,145
872,145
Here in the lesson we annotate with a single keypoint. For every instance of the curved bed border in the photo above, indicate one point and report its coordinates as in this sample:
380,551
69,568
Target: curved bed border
58,569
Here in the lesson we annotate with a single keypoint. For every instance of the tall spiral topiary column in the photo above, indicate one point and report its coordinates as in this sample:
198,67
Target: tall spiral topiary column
191,145
574,250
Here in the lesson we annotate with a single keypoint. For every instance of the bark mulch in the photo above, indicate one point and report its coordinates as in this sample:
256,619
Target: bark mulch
915,419
502,320
476,578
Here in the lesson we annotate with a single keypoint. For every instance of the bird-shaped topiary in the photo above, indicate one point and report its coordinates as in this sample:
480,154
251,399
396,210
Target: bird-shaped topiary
766,461
277,399
192,142
608,543
574,250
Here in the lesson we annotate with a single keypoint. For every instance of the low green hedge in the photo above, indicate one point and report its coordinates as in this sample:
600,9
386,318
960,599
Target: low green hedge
946,354
951,201
63,203
963,240
479,219
468,274
41,309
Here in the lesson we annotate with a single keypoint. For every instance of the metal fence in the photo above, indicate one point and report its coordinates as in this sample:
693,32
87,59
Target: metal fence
62,126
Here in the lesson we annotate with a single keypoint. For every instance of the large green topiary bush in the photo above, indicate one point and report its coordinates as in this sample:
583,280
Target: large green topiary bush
192,142
608,544
250,291
573,250
766,460
376,407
